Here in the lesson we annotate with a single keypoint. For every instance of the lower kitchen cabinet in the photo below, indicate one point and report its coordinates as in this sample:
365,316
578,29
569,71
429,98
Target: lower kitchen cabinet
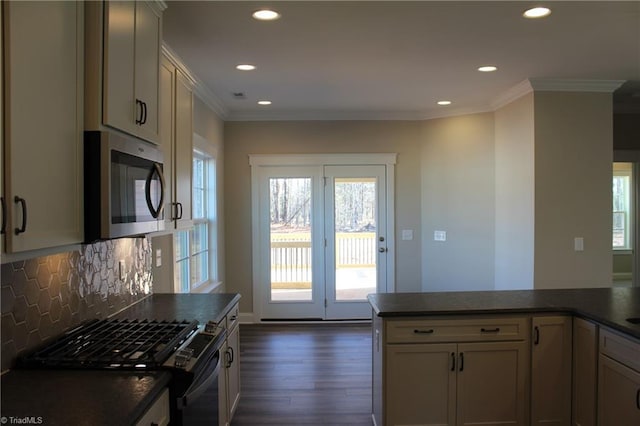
551,347
482,379
158,413
229,379
618,381
585,372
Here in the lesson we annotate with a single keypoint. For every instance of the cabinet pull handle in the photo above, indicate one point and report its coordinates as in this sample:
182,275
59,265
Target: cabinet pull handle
453,361
461,361
23,203
638,399
536,335
490,330
138,112
430,331
229,356
144,113
4,216
179,207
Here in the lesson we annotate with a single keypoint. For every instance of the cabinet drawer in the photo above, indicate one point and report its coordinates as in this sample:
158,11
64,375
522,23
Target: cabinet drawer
233,317
463,330
622,349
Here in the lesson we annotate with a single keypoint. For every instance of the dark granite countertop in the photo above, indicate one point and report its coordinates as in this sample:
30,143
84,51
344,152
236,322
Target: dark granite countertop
79,397
201,307
98,397
608,306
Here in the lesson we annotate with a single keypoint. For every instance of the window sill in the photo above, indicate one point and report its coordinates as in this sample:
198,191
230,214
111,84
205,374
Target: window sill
622,252
208,287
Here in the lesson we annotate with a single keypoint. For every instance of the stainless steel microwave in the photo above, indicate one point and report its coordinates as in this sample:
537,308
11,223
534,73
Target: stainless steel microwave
123,186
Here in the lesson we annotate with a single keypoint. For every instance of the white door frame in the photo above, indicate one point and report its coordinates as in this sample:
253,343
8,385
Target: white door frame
256,161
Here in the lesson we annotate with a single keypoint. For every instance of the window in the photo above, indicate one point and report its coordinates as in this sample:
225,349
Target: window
196,249
622,214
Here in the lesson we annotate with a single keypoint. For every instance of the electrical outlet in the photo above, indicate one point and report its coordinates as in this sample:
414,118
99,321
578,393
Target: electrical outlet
158,258
407,234
578,244
440,235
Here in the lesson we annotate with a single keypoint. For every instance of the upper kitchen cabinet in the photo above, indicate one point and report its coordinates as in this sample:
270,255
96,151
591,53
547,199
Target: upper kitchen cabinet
123,66
42,127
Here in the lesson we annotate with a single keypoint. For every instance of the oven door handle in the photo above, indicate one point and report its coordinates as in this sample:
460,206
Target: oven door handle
201,383
155,170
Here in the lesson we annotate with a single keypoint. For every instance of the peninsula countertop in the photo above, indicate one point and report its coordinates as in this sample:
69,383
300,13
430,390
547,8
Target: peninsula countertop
611,307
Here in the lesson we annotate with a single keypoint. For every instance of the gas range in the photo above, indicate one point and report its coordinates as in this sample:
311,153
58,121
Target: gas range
186,349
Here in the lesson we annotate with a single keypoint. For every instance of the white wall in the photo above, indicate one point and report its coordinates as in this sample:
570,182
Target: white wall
457,166
573,169
514,194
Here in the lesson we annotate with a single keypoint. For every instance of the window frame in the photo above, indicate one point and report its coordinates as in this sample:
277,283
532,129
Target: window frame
630,208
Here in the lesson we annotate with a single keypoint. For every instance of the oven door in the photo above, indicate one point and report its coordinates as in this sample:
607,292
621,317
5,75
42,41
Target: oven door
198,405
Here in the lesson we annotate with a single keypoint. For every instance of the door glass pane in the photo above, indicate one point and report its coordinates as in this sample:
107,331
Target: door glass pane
355,237
290,228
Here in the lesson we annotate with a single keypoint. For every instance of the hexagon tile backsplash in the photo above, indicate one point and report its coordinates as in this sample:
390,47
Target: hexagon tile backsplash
43,297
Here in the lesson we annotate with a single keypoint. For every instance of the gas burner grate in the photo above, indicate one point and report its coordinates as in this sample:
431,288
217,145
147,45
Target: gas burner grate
115,344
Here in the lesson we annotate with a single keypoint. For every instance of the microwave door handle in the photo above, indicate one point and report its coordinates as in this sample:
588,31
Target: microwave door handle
155,212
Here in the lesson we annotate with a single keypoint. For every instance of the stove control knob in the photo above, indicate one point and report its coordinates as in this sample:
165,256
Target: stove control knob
183,356
211,327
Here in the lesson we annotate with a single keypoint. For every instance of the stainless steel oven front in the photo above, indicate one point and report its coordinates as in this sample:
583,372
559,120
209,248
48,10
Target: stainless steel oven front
123,186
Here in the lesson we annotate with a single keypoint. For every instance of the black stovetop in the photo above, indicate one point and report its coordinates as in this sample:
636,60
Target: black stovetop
114,344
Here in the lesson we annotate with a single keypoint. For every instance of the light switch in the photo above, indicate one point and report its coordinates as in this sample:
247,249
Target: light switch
578,244
440,235
407,234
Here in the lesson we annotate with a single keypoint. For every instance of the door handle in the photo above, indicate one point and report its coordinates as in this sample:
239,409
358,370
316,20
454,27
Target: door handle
382,249
144,113
138,112
461,361
536,335
23,203
429,331
453,361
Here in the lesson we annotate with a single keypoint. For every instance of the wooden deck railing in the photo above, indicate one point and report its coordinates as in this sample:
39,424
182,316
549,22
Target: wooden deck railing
291,256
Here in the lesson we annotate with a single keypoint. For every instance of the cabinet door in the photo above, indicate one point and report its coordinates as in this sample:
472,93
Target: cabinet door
585,368
146,67
167,101
420,384
223,400
43,85
491,383
618,394
183,151
119,108
551,371
233,370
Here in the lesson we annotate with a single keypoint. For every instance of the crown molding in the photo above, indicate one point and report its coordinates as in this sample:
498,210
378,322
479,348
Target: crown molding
200,89
574,85
515,92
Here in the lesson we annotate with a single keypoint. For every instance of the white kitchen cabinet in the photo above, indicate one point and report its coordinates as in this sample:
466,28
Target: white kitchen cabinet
229,383
158,413
123,67
551,370
176,135
618,380
450,372
585,372
43,103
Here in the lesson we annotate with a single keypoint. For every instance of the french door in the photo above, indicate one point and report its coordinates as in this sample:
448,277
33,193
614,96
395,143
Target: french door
320,240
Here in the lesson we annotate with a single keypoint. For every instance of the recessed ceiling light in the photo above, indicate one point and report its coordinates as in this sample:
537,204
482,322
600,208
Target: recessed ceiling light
537,12
444,103
487,68
246,67
266,15
264,102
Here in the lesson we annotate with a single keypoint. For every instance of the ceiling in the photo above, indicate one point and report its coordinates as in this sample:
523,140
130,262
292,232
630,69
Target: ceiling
396,59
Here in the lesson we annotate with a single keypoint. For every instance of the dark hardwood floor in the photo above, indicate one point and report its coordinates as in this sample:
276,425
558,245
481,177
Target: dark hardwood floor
309,374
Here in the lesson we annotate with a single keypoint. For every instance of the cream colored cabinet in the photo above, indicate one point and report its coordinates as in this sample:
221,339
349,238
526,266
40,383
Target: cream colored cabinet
229,383
176,135
43,103
585,372
450,372
618,380
551,359
158,413
123,66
